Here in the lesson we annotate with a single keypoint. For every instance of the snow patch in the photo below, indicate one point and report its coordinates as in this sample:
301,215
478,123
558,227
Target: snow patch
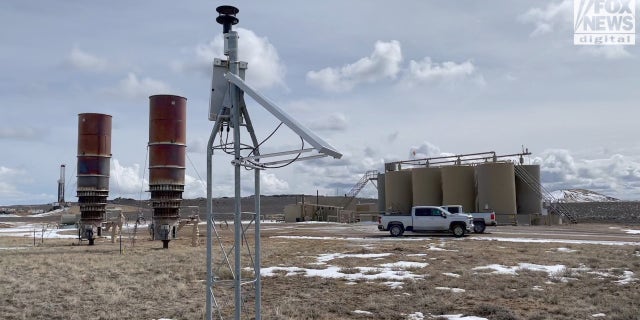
405,264
567,250
598,315
579,195
454,290
415,316
362,312
394,284
350,239
439,248
626,278
500,269
531,240
324,258
631,231
449,274
461,317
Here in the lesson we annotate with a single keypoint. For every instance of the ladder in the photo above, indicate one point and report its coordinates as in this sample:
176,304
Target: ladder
351,195
540,190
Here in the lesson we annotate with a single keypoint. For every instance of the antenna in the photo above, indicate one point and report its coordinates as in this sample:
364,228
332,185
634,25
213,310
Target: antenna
227,108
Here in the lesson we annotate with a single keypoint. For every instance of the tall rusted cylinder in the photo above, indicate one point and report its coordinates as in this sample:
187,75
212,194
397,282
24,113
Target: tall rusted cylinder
167,150
94,154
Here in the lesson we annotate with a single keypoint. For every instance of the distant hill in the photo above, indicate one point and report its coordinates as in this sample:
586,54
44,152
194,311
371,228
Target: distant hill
580,195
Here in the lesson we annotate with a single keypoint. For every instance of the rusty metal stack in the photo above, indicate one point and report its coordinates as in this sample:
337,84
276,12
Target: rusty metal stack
167,150
94,155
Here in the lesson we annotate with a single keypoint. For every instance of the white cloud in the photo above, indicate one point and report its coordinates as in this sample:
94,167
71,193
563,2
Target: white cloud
85,61
384,62
617,175
425,150
194,188
12,185
332,122
427,71
133,87
608,52
264,66
7,188
271,184
20,133
126,181
546,19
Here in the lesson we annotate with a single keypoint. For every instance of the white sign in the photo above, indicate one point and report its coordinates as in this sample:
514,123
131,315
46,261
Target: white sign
604,22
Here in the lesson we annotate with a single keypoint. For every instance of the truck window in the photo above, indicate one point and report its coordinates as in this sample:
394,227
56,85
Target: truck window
423,212
453,210
435,212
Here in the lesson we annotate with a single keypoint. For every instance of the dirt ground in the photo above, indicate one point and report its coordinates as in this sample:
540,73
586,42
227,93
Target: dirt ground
333,271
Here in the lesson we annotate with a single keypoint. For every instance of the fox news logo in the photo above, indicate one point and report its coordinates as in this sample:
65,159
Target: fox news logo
604,22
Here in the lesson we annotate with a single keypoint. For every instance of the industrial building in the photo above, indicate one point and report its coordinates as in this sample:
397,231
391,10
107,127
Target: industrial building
480,182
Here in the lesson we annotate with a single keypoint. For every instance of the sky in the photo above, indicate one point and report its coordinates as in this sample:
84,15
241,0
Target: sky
380,85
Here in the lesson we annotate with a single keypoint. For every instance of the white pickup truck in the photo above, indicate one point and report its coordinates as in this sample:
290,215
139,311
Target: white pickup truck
480,219
426,219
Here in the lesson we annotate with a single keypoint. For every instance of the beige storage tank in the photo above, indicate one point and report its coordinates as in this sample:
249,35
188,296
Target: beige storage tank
459,187
427,186
497,190
528,194
398,196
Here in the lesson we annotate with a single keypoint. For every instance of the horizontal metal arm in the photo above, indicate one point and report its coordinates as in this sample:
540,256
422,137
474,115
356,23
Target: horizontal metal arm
306,134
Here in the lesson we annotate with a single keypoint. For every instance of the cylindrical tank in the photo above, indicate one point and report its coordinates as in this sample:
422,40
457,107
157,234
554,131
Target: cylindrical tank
381,193
497,190
167,150
458,187
397,189
528,195
427,186
94,155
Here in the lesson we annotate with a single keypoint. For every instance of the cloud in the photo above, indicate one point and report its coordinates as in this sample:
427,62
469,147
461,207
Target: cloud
20,133
546,19
610,52
425,150
392,137
8,189
126,181
617,175
194,188
384,62
133,87
85,61
332,122
13,182
427,71
197,145
264,66
271,184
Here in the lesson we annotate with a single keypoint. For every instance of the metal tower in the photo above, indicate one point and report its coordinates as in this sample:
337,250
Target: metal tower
61,182
227,109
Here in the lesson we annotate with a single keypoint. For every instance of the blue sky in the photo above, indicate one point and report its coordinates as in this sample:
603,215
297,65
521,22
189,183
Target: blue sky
377,82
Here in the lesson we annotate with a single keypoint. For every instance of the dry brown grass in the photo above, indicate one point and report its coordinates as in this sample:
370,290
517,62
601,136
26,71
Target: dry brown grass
58,280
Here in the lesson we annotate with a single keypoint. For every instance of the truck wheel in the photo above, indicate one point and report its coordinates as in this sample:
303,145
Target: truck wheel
458,230
396,230
478,227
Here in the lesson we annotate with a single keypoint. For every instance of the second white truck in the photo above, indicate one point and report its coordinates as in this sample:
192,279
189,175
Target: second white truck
426,219
480,219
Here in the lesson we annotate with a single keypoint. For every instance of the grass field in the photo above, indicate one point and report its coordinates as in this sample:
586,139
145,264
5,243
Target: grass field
312,273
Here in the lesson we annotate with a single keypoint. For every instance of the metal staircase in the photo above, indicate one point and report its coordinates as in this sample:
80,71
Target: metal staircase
351,195
536,186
